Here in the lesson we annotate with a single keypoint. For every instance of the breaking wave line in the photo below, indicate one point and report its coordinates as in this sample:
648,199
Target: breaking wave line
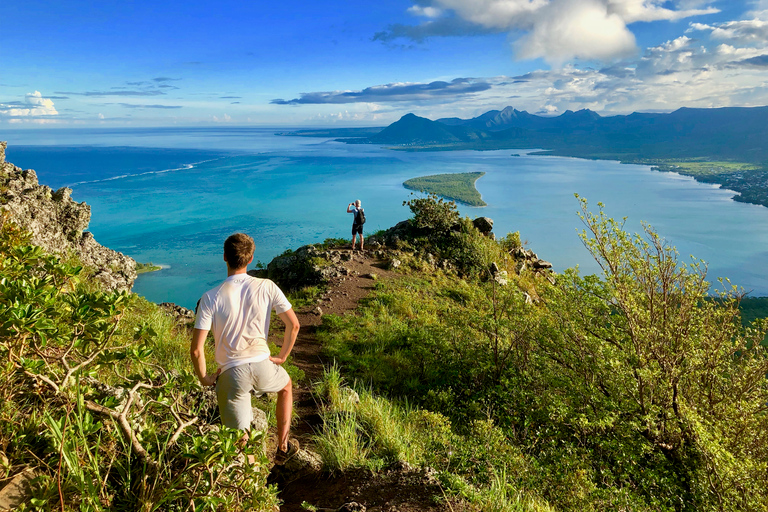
185,167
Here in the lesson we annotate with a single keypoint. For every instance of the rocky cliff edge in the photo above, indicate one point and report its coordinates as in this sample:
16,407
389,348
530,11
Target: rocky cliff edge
58,224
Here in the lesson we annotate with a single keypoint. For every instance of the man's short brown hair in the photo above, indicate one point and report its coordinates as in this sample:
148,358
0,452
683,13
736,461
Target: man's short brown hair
238,250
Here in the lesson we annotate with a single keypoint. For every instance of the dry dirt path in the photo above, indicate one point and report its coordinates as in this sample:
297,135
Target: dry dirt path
398,489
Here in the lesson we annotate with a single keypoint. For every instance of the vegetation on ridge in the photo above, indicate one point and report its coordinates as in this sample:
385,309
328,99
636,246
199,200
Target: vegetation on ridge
515,389
626,391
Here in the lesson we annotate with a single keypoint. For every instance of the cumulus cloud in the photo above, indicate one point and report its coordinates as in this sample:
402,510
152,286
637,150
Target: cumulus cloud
555,30
35,105
584,29
396,92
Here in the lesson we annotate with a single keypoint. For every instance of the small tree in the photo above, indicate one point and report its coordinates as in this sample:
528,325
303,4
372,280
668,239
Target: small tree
433,213
646,352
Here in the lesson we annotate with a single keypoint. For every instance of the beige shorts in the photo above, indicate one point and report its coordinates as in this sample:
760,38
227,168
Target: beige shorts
234,387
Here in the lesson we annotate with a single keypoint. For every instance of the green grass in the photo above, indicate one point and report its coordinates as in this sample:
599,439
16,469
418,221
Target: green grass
374,433
456,186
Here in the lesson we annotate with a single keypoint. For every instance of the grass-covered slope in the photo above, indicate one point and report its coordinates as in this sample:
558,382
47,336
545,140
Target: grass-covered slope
98,401
456,186
627,391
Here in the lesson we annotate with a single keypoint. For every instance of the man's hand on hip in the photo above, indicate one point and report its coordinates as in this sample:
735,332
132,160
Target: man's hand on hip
210,380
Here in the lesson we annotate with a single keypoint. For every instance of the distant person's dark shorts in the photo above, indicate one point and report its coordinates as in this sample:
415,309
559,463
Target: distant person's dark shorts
357,228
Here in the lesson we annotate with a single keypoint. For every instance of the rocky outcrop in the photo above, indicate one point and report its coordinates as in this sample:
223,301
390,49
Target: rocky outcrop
306,266
484,225
58,224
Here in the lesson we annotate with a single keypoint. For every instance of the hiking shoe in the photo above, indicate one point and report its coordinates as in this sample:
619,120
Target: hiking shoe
281,457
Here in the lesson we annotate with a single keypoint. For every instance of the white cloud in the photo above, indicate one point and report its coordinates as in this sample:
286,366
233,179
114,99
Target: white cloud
570,29
426,12
33,106
742,31
559,30
632,11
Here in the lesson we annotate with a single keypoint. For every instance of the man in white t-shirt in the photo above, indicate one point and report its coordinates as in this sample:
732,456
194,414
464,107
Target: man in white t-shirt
238,312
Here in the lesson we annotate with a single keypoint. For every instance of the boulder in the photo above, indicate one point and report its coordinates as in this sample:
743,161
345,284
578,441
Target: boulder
484,225
306,266
259,421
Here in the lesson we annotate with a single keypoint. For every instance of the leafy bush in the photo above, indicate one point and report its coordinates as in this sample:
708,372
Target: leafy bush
83,400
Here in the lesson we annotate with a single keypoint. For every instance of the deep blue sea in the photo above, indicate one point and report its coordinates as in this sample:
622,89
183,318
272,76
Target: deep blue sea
171,196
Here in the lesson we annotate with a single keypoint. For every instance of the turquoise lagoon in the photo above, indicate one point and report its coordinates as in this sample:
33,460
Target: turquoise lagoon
171,196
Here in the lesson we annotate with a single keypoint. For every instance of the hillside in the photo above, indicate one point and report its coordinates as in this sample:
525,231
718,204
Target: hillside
445,368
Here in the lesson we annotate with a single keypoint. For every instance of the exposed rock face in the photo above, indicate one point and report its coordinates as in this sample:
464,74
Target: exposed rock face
58,224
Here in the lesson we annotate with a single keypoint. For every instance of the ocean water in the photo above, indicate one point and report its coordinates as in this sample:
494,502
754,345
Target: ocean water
171,197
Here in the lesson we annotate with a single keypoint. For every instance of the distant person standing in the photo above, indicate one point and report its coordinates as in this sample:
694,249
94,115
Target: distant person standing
357,223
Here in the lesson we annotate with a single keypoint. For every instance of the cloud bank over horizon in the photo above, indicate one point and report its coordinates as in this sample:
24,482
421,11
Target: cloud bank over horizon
553,30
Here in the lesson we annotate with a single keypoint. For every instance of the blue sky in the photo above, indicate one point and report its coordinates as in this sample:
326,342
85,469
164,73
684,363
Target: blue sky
320,63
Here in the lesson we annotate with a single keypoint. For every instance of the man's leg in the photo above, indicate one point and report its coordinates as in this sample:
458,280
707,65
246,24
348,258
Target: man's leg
361,241
284,411
233,393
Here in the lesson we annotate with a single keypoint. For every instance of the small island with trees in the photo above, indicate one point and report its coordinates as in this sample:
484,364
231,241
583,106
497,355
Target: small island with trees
455,186
142,268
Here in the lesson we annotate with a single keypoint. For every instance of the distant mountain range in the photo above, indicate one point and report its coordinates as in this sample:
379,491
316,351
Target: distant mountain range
727,146
727,133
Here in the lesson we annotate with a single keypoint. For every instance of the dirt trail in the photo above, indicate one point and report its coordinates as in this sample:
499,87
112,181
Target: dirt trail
398,489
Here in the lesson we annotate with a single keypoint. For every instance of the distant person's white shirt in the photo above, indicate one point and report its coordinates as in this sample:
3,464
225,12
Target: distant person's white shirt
238,311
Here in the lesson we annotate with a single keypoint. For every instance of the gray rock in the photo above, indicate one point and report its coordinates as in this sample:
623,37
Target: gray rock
305,462
352,506
394,263
317,311
483,224
501,277
179,313
538,264
58,224
19,489
259,421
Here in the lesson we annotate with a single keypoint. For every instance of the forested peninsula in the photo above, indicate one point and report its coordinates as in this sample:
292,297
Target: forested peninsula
725,146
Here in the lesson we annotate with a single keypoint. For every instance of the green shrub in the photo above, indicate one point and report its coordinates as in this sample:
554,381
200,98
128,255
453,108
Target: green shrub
96,393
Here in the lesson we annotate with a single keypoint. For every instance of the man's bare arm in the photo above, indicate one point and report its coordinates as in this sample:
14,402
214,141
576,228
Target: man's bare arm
197,352
289,338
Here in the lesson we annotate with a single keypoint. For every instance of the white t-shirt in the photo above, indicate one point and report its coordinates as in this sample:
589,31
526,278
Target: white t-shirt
238,312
